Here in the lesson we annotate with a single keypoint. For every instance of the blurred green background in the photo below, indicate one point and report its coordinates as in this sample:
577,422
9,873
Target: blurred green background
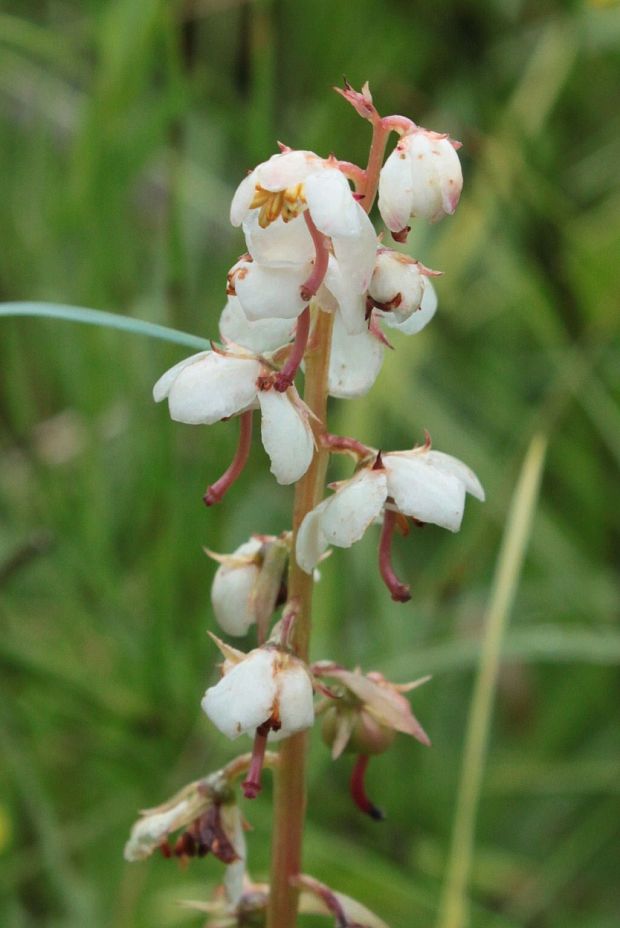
124,128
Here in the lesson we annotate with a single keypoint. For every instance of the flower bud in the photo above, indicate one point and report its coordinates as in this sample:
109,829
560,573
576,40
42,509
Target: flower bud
422,178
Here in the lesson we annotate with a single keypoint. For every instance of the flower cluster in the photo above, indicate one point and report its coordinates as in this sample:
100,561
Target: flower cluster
316,291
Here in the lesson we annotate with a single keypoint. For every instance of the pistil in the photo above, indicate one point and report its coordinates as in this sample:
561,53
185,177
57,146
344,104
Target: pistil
215,492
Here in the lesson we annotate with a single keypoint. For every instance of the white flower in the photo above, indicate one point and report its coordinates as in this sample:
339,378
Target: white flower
270,204
268,684
355,360
233,587
427,485
421,178
398,284
213,385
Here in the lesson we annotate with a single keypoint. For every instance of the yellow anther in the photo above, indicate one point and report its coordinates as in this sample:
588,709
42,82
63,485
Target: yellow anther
287,203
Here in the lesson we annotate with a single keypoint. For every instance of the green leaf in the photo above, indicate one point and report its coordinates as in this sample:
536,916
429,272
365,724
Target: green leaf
106,320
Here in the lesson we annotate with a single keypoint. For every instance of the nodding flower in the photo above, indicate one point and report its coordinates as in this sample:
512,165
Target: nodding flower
422,178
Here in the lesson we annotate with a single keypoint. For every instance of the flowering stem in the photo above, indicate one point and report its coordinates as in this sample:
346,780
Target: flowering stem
290,793
286,376
399,591
216,491
340,444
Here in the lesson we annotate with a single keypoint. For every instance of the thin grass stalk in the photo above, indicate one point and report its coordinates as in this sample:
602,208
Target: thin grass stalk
454,905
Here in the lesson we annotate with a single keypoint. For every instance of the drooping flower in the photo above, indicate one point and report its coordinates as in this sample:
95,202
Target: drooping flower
214,385
427,485
267,685
356,360
398,285
421,178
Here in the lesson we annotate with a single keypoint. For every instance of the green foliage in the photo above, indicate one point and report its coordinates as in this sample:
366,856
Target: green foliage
124,127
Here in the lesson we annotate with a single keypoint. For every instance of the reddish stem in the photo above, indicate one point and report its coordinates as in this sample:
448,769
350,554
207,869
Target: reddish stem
358,789
354,172
284,378
341,444
314,281
401,124
399,591
216,491
251,785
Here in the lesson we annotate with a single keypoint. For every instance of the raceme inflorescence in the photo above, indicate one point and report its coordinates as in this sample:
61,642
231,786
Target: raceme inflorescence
316,294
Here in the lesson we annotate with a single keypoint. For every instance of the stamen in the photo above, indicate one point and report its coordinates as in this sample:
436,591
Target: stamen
399,591
314,281
216,491
358,789
251,785
284,378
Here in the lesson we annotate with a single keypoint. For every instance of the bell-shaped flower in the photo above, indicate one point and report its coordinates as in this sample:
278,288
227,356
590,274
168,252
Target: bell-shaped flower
356,360
367,712
398,284
248,583
215,385
427,485
421,178
268,685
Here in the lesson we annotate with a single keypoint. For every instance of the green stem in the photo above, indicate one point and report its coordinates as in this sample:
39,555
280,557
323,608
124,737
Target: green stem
290,792
453,910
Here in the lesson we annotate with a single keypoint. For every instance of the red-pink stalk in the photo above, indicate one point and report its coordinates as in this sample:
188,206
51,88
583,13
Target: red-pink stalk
284,378
216,491
399,592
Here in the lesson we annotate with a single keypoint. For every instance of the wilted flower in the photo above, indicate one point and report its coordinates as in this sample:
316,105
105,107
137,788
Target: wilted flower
421,178
368,712
427,485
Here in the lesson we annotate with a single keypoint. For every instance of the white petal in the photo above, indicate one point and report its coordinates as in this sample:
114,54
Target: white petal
354,507
286,435
422,491
244,698
354,362
418,319
281,243
232,589
244,194
162,387
213,389
331,204
232,825
449,465
396,189
357,254
287,169
149,832
295,699
311,542
260,336
271,293
436,176
351,303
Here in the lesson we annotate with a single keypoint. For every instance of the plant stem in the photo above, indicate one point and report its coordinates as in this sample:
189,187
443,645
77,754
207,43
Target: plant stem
290,791
454,904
